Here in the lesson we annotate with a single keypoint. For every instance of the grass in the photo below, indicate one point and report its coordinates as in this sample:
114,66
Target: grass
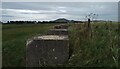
99,51
14,40
0,45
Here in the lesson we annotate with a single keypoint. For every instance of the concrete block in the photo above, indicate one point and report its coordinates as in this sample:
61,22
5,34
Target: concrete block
61,26
47,50
57,32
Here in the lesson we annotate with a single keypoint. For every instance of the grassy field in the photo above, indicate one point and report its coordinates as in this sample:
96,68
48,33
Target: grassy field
99,51
14,40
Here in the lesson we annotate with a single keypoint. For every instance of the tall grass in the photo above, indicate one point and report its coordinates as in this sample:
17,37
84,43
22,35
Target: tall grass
99,51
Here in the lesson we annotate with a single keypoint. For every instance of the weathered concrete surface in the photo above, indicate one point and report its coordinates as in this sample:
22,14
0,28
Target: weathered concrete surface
61,26
58,32
47,50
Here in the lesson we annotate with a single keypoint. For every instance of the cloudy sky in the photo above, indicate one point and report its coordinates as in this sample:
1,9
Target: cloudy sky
40,11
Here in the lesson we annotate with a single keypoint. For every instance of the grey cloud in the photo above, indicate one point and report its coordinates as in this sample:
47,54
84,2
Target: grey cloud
53,10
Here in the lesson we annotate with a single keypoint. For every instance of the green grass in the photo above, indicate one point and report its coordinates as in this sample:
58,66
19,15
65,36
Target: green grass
0,45
14,40
100,51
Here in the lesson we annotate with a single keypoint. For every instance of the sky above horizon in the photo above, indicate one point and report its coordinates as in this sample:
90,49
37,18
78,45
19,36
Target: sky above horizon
39,11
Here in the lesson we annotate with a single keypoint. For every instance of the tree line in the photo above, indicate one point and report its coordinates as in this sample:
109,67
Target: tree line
32,22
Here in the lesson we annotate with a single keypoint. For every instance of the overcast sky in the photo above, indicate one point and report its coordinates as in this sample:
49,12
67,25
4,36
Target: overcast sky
40,11
60,0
